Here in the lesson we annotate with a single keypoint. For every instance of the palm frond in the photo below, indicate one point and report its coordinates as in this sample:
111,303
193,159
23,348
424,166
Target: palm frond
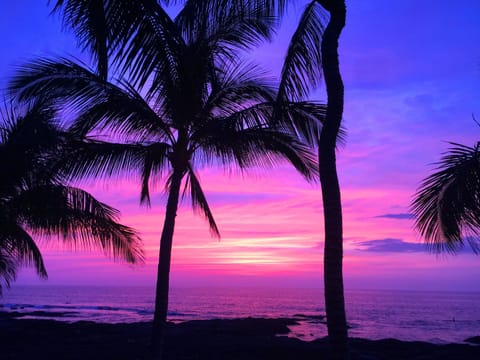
303,118
30,141
55,79
199,201
283,146
145,40
256,146
122,111
227,25
93,104
8,270
138,36
33,204
236,88
34,125
253,116
273,7
302,68
105,160
447,204
155,162
79,219
20,249
88,21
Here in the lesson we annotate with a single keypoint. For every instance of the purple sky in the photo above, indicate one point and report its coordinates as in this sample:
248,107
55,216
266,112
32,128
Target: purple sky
412,78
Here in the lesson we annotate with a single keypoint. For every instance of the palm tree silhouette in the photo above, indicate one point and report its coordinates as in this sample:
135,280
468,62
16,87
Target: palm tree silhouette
185,99
313,51
332,206
35,204
447,204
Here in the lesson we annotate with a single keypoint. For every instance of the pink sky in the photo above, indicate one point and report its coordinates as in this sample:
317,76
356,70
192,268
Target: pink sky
412,76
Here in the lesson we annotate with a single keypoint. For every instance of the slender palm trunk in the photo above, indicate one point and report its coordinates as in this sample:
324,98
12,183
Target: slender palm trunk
163,273
333,254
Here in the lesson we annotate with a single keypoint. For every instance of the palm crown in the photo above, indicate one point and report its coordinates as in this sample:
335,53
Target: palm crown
36,204
185,97
447,203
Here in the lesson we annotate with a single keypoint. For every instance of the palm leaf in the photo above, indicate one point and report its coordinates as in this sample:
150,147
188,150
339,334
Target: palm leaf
447,204
19,248
112,160
100,159
87,18
79,219
155,161
92,102
238,87
30,138
130,32
208,132
8,270
302,68
51,79
199,201
145,40
302,118
257,146
122,110
228,25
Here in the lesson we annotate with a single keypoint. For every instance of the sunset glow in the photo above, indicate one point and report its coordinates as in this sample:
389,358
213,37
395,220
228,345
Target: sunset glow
408,92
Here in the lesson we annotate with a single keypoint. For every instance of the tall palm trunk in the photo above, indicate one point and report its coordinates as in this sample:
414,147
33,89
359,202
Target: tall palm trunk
333,253
163,272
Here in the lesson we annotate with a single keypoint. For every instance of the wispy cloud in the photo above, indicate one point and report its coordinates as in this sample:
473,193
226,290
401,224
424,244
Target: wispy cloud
391,245
400,216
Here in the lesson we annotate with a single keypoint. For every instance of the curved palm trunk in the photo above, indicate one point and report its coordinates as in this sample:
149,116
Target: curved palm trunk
332,207
163,273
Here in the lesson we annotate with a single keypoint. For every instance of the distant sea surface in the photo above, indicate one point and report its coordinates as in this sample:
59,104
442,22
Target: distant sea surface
438,317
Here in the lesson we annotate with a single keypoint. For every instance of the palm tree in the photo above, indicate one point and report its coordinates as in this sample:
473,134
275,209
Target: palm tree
332,206
305,62
35,204
447,204
185,99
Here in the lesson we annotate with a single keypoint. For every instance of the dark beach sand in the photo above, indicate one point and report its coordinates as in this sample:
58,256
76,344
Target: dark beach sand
245,339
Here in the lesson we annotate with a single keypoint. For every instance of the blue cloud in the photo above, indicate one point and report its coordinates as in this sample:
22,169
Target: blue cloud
391,245
401,216
472,246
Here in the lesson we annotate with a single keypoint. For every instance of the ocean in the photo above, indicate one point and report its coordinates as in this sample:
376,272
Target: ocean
437,317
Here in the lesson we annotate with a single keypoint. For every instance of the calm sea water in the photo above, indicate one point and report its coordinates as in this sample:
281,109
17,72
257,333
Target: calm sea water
438,317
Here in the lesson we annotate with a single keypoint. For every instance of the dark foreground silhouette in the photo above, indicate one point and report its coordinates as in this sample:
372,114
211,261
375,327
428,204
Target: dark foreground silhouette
238,339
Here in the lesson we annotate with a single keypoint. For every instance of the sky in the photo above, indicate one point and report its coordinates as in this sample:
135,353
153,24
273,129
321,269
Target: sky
412,81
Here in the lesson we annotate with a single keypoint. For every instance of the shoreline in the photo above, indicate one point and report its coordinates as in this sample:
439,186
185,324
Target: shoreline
237,339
